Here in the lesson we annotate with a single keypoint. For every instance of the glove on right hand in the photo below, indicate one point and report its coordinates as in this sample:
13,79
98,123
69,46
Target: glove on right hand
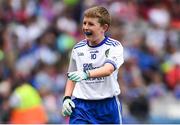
78,76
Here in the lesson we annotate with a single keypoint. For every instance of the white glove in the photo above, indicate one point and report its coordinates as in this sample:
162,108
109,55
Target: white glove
68,104
78,76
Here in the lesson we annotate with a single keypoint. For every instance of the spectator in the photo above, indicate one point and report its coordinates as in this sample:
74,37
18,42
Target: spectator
27,106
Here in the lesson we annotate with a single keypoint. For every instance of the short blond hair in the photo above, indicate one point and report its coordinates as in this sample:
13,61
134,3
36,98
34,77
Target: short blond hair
99,12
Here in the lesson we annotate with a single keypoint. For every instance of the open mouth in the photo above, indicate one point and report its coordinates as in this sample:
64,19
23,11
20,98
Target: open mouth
88,33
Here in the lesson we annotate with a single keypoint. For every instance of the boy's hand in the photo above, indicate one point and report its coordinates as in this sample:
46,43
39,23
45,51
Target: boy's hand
78,76
68,104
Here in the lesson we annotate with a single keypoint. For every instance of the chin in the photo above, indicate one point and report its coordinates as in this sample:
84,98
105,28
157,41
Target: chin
89,39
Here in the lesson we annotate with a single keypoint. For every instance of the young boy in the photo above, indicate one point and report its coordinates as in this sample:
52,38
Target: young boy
92,74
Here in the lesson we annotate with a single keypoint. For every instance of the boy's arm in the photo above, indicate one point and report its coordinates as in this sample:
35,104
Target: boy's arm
70,84
68,104
103,71
69,88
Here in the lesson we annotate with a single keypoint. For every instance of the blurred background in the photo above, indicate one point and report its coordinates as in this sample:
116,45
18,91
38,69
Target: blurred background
36,38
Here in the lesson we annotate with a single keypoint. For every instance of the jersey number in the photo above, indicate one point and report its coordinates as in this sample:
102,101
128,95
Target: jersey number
93,56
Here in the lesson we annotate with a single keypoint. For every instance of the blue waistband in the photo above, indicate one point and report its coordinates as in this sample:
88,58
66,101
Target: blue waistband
100,100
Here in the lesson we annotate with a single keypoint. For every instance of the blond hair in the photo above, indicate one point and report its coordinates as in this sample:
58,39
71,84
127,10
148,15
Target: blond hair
99,12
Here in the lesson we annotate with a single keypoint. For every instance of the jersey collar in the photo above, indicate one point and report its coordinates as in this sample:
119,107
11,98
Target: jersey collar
101,43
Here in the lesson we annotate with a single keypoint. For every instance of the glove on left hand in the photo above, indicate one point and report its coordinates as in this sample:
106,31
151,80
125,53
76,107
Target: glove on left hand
78,76
68,105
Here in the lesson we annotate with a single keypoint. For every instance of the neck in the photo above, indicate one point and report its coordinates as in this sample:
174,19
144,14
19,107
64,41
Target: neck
97,41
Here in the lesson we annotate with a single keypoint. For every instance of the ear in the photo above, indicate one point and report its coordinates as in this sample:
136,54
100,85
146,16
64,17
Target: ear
105,27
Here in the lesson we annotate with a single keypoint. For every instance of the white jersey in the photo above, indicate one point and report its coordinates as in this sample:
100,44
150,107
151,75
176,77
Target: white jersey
86,57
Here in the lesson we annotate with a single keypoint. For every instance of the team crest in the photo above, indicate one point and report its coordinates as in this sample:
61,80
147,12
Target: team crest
107,53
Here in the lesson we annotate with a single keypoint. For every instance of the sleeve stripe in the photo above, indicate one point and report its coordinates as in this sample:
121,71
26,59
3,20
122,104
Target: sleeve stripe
111,62
80,43
79,46
113,41
109,44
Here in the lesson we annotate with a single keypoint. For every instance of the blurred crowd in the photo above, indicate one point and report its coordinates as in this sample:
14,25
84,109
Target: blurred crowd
36,38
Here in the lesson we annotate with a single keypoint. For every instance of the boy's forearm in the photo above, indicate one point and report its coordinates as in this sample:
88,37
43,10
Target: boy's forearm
103,71
69,88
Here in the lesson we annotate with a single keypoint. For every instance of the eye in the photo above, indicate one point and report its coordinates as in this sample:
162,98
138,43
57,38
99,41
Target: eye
88,23
91,24
84,23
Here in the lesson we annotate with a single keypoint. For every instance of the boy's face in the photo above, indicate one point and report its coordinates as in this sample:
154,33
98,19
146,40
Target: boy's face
92,29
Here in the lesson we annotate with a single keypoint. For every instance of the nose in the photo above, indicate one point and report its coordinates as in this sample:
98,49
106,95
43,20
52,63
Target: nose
85,26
